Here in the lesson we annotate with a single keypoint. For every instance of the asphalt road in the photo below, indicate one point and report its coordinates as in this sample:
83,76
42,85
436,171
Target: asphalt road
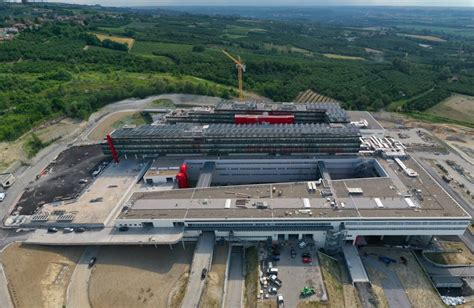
461,271
235,278
77,291
391,284
202,258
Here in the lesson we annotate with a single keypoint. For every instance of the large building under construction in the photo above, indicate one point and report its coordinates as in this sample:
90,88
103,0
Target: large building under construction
253,112
223,139
242,128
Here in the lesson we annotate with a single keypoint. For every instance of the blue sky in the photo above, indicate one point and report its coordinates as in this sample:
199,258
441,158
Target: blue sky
464,3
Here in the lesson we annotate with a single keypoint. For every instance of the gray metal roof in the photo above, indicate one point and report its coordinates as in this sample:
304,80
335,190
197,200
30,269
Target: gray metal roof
333,110
189,130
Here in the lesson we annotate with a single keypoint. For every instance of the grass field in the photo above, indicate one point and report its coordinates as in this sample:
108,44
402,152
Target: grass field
251,277
430,38
288,49
440,29
341,57
117,120
147,48
118,39
457,107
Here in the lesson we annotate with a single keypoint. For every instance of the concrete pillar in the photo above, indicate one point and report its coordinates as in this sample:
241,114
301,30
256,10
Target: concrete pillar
381,237
286,236
407,238
300,236
125,156
136,157
184,247
171,247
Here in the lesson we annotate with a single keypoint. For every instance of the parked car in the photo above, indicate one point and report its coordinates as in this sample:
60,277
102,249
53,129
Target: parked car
2,196
293,253
68,230
52,230
307,260
272,290
280,301
92,261
123,229
80,230
203,273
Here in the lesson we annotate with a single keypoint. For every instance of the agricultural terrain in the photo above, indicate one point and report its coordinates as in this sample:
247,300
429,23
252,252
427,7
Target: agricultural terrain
76,59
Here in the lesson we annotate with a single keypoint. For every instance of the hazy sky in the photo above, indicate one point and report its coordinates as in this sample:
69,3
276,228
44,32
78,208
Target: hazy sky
464,3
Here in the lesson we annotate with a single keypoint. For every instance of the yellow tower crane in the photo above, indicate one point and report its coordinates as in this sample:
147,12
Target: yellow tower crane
240,72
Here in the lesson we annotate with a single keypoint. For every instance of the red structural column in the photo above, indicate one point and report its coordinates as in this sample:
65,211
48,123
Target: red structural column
112,148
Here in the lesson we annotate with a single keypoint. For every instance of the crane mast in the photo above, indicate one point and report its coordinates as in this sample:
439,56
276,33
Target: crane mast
240,73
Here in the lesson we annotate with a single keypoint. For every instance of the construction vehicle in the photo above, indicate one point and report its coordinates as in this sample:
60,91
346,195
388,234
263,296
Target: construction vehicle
240,72
307,291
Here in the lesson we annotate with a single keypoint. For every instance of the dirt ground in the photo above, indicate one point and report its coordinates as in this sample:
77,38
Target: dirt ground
455,135
107,125
416,284
64,175
38,276
13,151
212,293
457,107
136,276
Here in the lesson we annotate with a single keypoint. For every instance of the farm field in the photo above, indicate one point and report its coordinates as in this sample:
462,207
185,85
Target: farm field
457,107
118,39
39,276
430,38
342,57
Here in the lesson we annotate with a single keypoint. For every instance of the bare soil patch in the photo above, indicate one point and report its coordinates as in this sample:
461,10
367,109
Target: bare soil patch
38,276
135,276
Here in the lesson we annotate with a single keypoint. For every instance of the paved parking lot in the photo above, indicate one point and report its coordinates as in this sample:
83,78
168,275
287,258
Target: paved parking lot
295,275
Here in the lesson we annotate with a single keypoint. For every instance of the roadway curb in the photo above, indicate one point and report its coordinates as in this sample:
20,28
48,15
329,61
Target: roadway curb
226,275
443,265
9,299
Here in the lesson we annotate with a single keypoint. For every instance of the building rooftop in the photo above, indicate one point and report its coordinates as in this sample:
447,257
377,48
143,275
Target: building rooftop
395,196
333,110
189,130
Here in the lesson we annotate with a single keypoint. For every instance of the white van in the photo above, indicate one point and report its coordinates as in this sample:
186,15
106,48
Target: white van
272,270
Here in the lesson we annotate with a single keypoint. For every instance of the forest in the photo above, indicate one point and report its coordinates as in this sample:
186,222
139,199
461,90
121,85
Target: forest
60,67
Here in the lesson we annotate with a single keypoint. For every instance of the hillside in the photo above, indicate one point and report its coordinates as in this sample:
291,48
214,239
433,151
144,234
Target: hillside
67,60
